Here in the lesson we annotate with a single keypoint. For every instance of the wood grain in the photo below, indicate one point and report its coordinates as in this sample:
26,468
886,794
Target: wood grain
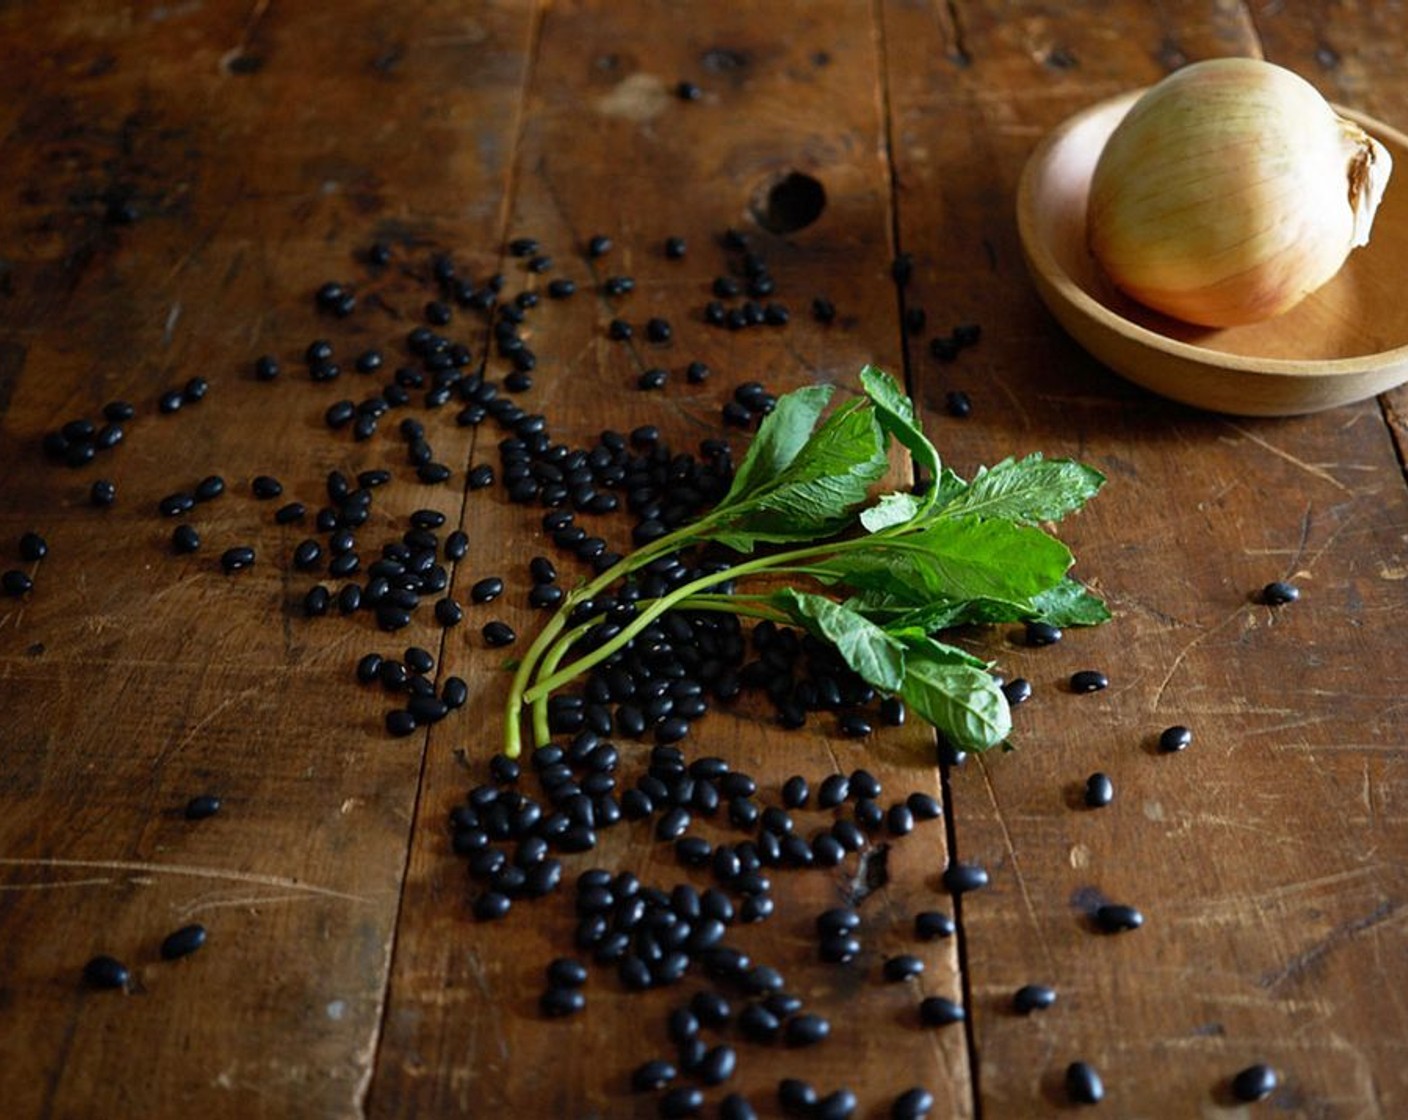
261,146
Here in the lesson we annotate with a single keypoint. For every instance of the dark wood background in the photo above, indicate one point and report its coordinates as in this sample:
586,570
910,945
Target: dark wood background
260,145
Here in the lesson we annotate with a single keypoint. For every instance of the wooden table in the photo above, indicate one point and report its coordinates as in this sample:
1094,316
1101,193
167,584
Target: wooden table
180,178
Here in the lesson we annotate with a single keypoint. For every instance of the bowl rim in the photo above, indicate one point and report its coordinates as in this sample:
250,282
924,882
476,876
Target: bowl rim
1083,303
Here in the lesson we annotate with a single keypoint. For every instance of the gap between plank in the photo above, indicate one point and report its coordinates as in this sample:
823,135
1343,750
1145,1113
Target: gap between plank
514,174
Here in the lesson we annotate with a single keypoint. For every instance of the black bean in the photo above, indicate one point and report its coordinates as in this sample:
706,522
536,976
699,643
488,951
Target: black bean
924,806
286,515
16,583
265,486
33,547
1033,997
683,1100
869,815
796,1096
673,824
835,788
658,330
1175,738
899,819
958,404
118,411
710,1008
400,722
426,710
183,942
174,505
718,1065
106,972
864,784
806,1030
448,612
456,545
796,792
315,602
912,1104
1099,790
735,1106
202,806
1279,593
480,476
266,368
652,379
491,905
906,966
837,1105
1083,1084
1018,691
598,246
349,601
307,554
195,390
1255,1083
960,878
498,634
652,1075
671,730
486,590
102,493
932,924
558,1003
1089,680
1042,634
1115,917
939,1011
848,835
237,558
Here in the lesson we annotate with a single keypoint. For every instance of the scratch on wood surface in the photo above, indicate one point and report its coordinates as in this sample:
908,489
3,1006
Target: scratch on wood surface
1239,906
55,886
246,900
1016,864
1310,468
1186,650
1385,912
183,869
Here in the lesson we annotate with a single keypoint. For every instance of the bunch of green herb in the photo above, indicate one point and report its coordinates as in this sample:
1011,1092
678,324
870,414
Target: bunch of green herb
884,576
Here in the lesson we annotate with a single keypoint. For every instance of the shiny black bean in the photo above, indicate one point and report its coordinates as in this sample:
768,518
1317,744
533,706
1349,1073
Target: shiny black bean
1255,1083
960,878
797,1097
183,942
1279,593
1089,680
1083,1084
498,634
1099,790
202,806
906,966
939,1011
1042,634
932,924
1033,997
652,1075
106,972
1175,739
1117,918
237,558
837,1105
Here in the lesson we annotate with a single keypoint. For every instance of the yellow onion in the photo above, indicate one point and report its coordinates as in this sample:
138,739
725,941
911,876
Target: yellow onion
1230,192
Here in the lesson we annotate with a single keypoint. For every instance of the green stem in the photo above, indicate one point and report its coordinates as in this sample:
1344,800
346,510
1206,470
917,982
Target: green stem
779,562
733,604
542,732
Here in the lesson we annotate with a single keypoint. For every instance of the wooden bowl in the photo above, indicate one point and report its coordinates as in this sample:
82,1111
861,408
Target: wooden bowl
1346,342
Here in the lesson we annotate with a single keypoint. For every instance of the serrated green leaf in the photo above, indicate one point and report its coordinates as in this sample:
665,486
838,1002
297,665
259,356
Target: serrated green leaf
958,559
891,509
819,490
872,653
782,434
1027,490
962,701
896,413
1070,603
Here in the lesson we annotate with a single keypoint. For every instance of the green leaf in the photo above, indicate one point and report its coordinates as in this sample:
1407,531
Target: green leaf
1027,490
896,413
920,643
962,701
874,654
819,490
782,434
1069,604
964,558
891,509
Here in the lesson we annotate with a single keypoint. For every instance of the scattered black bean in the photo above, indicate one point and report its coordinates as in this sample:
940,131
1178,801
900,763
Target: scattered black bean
400,722
930,925
202,806
1115,917
184,539
958,404
102,493
1099,790
960,878
688,91
806,1030
837,1105
1033,997
796,1096
183,942
498,634
106,972
1042,634
1176,738
1255,1083
486,590
735,1106
906,966
1083,1084
1018,691
1089,680
237,558
33,547
1278,593
912,1104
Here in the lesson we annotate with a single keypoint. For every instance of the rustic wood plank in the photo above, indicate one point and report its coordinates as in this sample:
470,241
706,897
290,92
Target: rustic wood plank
610,150
1259,855
254,144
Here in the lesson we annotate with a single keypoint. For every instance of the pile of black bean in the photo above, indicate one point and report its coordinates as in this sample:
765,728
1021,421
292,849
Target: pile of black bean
656,936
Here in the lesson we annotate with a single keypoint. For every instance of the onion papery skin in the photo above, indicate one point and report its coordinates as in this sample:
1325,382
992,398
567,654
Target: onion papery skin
1230,192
